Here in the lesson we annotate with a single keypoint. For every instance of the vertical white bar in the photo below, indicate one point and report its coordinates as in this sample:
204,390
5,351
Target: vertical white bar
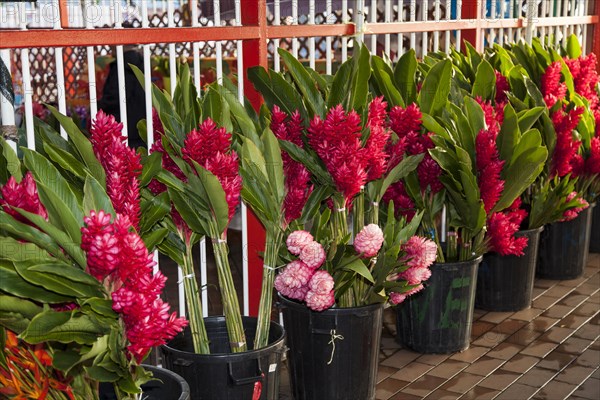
388,18
424,17
436,33
7,109
195,45
344,38
373,15
400,51
502,15
240,53
542,29
295,22
458,18
276,42
557,12
511,13
328,49
172,58
564,27
448,19
91,61
311,40
493,16
153,7
121,68
181,291
218,44
60,69
147,79
413,18
27,90
359,15
203,277
585,29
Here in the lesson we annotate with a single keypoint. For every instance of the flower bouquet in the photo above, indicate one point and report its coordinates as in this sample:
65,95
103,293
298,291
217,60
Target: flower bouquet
205,172
345,257
80,300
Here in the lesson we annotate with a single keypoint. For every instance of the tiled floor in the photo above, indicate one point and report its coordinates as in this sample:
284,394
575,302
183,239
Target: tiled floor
550,351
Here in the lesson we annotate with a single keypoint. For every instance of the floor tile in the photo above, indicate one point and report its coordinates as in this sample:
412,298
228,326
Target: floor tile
589,358
556,361
544,302
588,331
528,314
539,348
412,371
574,345
448,369
471,354
383,372
400,359
557,311
509,326
480,393
544,283
442,395
587,309
557,334
481,327
490,339
555,390
484,366
542,324
572,321
405,396
517,391
558,291
424,385
573,300
462,382
589,389
433,359
389,387
575,374
495,317
520,363
500,380
536,377
505,351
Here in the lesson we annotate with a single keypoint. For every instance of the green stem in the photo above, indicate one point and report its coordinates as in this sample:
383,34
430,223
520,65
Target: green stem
274,241
374,215
358,220
194,304
340,221
231,307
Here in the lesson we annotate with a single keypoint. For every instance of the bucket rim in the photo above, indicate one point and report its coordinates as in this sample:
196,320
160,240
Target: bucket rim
331,311
523,232
185,387
232,357
453,264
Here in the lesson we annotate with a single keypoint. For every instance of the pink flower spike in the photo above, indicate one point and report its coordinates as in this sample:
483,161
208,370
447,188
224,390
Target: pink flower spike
397,298
296,274
321,282
319,302
420,252
416,275
297,240
313,255
369,240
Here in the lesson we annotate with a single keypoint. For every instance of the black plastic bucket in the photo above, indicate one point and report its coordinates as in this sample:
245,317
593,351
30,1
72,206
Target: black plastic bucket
505,283
334,353
168,386
564,247
595,235
222,375
439,318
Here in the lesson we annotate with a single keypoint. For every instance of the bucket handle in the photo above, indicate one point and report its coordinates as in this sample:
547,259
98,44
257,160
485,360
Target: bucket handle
322,331
247,380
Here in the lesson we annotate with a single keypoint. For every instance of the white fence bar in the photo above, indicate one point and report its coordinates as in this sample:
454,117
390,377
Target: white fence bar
276,42
295,22
424,17
218,44
91,61
172,59
195,45
311,40
448,19
493,16
328,49
400,35
344,38
458,18
121,69
27,89
436,17
147,79
413,18
503,15
6,108
388,18
60,69
373,18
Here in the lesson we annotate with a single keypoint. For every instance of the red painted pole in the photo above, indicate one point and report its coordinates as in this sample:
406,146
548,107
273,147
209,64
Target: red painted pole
254,12
471,10
596,39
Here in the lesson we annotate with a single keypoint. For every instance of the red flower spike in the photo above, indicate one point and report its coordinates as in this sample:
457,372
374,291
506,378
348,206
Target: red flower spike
22,195
567,146
552,89
502,86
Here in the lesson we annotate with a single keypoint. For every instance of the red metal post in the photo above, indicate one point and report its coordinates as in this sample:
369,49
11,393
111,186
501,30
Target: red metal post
471,10
254,12
596,39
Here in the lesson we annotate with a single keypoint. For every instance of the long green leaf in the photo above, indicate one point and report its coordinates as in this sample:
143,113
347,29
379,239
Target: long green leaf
305,83
436,87
63,327
405,76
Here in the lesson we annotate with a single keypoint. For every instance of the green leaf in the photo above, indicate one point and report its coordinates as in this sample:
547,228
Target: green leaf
311,208
312,163
154,210
66,160
274,166
193,219
153,238
82,145
529,117
485,81
359,267
383,76
13,165
359,88
339,87
95,198
405,76
12,283
20,306
436,87
63,327
509,135
151,166
69,220
573,47
307,86
405,167
214,107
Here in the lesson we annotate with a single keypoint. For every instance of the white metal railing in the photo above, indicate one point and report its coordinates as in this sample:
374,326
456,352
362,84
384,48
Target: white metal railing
92,14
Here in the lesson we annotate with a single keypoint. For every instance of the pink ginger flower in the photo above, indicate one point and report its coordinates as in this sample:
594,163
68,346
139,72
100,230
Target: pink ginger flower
572,213
210,147
502,227
552,89
369,240
377,157
420,252
415,275
321,282
297,177
502,86
566,144
313,255
397,298
297,240
337,141
319,302
296,274
22,195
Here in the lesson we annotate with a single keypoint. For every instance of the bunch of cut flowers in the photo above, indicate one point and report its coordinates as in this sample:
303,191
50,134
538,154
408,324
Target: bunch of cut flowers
78,283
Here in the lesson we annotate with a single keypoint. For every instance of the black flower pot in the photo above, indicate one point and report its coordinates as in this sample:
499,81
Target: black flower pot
222,375
333,354
167,385
595,236
505,283
439,318
564,247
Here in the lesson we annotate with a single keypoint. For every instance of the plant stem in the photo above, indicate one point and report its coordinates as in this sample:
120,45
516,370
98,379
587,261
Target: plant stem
231,307
340,221
358,220
194,304
274,241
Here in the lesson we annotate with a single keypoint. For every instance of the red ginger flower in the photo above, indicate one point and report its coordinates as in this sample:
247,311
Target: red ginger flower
572,213
22,195
403,204
567,146
405,120
210,147
297,177
552,89
502,227
337,141
592,164
502,86
121,163
379,136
